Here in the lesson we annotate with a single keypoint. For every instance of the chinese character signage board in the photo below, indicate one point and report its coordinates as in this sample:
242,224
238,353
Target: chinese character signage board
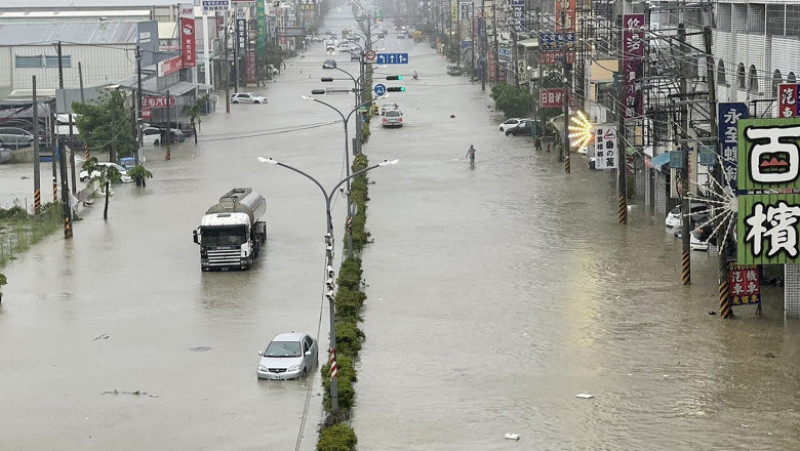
454,11
767,229
517,20
567,7
787,100
728,117
188,50
157,102
551,97
605,147
552,45
241,32
632,68
745,284
769,153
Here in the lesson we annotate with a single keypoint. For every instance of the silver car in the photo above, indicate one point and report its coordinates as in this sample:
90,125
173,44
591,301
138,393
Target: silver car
288,356
15,137
248,97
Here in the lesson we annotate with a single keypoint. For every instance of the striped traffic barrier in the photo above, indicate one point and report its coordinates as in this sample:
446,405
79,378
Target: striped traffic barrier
37,201
333,364
686,272
725,307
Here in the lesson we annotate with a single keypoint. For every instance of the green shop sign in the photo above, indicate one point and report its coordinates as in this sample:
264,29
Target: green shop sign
767,229
769,154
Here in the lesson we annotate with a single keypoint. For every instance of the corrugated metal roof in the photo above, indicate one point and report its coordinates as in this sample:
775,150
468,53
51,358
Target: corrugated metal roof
68,33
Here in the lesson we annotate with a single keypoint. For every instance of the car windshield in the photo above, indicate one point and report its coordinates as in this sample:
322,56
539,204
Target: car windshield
283,349
224,236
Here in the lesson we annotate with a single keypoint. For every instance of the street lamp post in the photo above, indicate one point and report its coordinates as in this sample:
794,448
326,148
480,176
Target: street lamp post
345,120
328,195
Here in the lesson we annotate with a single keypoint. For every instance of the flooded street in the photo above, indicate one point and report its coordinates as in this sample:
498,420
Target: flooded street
496,294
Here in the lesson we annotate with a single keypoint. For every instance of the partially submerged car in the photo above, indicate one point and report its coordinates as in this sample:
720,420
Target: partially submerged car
288,356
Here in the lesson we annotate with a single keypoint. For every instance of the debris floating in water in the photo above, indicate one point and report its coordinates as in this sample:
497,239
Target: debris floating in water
510,436
584,396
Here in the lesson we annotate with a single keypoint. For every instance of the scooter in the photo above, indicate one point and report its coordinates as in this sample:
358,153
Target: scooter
415,77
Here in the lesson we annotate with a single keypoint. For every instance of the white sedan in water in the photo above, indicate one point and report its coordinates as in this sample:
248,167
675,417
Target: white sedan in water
101,167
288,356
512,122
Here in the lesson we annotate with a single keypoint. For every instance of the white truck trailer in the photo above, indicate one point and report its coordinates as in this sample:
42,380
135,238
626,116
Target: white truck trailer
231,232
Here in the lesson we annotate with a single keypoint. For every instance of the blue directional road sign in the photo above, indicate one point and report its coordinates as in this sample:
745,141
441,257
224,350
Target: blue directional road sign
392,58
380,89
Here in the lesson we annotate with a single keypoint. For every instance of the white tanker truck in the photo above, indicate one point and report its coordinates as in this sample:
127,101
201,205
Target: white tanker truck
230,233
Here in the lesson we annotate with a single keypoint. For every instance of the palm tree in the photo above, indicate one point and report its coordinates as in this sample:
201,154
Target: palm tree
194,112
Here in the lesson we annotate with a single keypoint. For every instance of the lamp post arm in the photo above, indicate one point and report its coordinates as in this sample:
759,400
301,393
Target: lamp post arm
357,173
324,193
331,107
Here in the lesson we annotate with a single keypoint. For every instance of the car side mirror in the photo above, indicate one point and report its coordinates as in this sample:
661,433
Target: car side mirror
194,235
308,352
260,353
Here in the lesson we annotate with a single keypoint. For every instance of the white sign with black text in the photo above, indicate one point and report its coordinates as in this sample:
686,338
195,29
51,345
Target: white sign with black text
605,147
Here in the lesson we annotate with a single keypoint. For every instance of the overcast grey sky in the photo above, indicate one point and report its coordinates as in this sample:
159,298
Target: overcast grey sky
84,3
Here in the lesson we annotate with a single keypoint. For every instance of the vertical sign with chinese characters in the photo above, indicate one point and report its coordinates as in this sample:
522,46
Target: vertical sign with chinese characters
787,100
767,229
261,27
241,32
728,117
745,284
568,8
632,69
605,147
517,20
769,160
454,11
188,50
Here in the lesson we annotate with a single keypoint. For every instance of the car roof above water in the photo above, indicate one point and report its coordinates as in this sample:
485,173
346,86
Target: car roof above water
291,336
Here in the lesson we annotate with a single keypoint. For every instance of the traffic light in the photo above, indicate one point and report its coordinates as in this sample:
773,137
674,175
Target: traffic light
394,77
396,89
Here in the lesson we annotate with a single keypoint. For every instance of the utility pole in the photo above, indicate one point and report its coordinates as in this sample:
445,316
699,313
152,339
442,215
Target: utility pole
69,121
168,134
236,50
622,169
227,65
37,194
723,243
514,62
138,117
473,39
53,146
683,128
567,87
496,45
483,46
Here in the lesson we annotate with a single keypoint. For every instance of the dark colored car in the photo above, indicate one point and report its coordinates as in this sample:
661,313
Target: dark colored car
523,128
184,127
454,70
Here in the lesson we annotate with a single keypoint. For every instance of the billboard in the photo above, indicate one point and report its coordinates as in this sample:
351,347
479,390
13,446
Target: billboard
632,68
188,49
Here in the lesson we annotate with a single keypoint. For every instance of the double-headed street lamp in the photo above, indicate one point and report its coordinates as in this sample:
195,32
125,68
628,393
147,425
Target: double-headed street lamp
329,279
345,120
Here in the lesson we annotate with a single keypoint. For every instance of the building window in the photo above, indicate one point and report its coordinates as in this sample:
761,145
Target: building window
755,18
776,80
753,79
52,61
28,62
40,61
793,20
724,17
775,18
791,78
740,81
722,79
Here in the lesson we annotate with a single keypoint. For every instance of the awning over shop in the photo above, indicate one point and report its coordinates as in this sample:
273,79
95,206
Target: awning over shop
660,162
